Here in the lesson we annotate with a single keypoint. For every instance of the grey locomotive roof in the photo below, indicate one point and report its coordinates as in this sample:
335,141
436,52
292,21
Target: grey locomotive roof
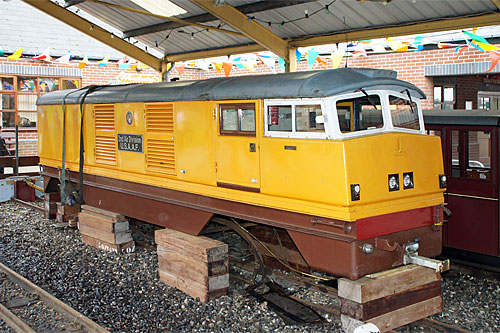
463,117
287,85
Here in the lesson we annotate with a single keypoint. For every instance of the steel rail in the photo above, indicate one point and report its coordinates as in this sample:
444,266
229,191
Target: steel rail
69,313
14,321
27,204
330,291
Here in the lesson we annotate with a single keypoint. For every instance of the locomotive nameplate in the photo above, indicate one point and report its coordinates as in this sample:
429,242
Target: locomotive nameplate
130,142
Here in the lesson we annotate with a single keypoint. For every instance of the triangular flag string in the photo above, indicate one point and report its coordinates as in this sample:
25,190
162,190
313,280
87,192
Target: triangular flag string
16,55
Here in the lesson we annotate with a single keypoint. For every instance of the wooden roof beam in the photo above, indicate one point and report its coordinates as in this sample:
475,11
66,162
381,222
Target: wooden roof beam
496,3
88,28
249,28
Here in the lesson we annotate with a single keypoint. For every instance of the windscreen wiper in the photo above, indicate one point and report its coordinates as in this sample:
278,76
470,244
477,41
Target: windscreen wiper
369,98
411,102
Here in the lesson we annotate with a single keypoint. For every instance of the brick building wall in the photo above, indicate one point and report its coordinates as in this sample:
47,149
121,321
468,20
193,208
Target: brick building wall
90,74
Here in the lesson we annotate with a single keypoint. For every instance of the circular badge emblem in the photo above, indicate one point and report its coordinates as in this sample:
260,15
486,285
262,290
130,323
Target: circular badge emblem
130,117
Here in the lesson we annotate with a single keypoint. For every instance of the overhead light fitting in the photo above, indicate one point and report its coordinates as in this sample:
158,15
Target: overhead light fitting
219,3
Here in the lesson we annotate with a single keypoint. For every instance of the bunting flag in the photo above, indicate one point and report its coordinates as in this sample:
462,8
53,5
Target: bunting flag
475,37
123,65
180,68
281,63
45,56
218,67
64,59
495,57
133,65
16,55
103,62
123,60
1,52
269,61
321,61
298,55
227,66
459,50
337,59
311,58
250,65
487,46
83,63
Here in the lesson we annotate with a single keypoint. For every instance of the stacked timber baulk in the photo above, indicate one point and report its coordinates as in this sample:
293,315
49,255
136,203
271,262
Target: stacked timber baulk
105,230
67,213
50,201
196,265
391,298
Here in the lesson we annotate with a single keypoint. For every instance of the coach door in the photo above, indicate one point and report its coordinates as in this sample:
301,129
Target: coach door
237,147
472,194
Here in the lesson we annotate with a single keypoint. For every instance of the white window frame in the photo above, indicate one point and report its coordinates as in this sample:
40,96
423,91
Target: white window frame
386,115
325,110
419,110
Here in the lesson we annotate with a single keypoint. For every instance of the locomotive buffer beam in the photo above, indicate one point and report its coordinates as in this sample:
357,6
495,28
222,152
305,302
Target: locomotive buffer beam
439,266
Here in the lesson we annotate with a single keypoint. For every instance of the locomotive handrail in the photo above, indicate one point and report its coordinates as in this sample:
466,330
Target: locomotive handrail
471,196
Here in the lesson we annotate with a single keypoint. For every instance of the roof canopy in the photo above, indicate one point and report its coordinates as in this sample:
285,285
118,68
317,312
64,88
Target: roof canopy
211,28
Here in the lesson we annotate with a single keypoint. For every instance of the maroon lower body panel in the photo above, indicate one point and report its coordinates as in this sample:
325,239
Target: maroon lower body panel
328,245
348,259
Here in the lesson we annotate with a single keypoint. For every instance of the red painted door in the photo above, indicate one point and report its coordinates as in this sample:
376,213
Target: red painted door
471,164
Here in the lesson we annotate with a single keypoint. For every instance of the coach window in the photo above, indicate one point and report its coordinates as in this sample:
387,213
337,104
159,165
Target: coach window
237,119
479,155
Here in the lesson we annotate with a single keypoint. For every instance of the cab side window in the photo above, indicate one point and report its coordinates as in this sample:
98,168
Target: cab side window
237,119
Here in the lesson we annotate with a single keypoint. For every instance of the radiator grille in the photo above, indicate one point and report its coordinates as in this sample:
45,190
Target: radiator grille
105,141
160,118
160,144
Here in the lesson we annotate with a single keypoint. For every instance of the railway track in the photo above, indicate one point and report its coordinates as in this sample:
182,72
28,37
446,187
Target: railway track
25,307
330,292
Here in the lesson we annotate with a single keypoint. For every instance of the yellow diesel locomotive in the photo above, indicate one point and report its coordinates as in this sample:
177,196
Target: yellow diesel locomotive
337,158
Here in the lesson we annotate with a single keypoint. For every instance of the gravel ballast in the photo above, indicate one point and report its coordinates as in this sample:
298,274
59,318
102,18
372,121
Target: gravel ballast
122,293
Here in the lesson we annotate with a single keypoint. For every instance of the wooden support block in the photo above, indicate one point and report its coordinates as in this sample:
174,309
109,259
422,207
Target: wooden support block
104,213
193,289
103,222
176,263
391,298
109,237
196,247
400,317
386,283
66,212
127,247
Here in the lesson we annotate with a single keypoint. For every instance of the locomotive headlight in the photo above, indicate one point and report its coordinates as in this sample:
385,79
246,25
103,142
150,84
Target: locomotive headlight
393,182
407,180
443,181
355,192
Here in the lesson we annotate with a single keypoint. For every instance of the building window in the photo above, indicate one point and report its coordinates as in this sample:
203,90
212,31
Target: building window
444,97
18,95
